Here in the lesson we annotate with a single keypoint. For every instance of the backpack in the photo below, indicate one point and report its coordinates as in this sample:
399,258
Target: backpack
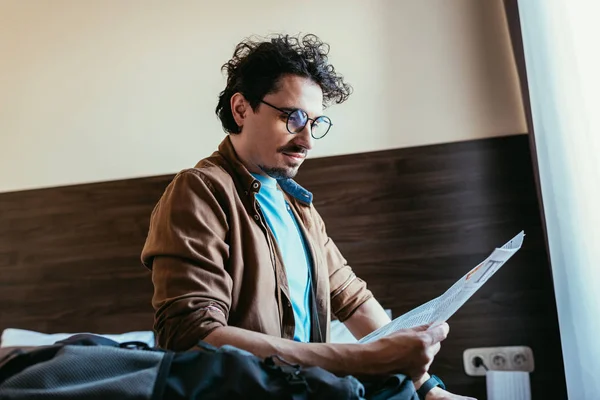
92,367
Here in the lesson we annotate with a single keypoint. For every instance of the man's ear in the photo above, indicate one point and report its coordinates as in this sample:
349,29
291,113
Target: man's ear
239,108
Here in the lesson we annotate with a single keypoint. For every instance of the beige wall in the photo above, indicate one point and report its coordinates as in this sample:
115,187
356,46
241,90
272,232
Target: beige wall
107,89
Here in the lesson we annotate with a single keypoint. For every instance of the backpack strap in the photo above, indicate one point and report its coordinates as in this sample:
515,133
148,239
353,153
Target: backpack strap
292,374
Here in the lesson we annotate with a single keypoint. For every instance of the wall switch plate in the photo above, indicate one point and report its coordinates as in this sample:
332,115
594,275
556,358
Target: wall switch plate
508,358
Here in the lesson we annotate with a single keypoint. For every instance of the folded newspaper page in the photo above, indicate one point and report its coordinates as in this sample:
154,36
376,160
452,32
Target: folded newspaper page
442,308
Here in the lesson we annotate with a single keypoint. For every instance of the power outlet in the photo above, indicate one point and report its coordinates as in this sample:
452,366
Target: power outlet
508,358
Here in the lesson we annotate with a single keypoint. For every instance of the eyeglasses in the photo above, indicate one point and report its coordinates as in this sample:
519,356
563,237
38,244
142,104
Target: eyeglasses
297,120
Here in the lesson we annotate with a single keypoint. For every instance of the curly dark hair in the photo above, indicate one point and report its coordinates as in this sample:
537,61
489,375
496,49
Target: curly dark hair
257,65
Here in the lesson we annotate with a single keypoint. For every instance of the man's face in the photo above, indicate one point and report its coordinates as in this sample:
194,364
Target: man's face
265,142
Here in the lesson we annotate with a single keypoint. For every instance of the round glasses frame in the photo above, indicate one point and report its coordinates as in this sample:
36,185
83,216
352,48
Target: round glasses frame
322,118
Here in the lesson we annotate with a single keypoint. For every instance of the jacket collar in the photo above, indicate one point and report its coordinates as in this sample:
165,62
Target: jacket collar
251,184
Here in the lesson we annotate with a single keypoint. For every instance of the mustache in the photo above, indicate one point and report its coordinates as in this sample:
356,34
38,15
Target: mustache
293,148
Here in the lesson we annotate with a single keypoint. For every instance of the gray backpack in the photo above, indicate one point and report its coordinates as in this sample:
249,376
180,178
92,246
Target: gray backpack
92,367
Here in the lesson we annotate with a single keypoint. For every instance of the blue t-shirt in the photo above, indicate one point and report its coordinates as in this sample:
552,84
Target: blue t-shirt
290,241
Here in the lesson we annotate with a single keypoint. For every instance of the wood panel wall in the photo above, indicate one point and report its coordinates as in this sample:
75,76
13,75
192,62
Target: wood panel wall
410,222
69,257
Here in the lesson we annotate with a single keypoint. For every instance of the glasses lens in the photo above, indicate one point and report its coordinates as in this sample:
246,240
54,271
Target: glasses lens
320,127
297,121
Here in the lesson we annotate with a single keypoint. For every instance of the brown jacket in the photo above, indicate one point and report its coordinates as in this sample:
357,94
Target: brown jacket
215,262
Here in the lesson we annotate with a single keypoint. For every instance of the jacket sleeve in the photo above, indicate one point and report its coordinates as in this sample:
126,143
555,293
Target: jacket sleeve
186,251
347,291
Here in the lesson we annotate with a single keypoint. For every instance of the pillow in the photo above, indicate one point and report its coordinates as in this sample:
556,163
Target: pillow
340,334
22,338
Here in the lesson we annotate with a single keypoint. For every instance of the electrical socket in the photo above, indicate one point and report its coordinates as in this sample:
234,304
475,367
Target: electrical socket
507,358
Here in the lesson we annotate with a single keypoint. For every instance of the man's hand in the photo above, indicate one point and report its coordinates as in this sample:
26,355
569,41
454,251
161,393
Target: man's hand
409,351
437,393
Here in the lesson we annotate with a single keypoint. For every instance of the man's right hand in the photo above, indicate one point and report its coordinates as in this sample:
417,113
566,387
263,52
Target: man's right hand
409,351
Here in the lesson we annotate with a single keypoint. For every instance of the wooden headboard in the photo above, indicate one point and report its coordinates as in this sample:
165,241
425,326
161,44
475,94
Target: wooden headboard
69,257
410,222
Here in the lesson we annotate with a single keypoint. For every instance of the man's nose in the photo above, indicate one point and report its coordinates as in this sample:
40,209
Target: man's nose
305,139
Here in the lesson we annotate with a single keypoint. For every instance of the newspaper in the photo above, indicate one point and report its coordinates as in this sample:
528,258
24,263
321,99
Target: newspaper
442,308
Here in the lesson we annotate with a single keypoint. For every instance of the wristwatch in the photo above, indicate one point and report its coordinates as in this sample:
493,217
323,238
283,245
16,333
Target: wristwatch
429,384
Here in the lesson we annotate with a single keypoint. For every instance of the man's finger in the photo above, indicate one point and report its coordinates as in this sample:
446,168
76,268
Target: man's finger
420,328
435,349
438,333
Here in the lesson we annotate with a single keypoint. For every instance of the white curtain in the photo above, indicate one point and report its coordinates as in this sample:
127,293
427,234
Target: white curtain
561,40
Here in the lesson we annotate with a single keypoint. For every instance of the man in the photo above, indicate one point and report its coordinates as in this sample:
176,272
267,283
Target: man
238,253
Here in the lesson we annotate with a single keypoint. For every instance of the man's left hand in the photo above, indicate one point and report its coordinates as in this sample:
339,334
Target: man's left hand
437,393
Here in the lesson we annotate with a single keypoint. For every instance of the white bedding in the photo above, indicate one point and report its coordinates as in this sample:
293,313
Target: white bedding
12,337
